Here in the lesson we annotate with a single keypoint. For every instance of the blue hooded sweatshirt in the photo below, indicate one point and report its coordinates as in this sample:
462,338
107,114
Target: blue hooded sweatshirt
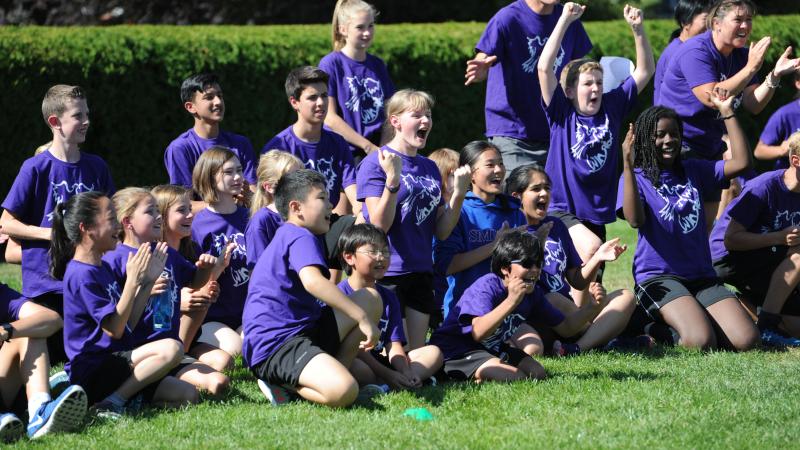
476,227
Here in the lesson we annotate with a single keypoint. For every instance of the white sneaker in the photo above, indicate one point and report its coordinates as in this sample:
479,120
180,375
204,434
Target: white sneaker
276,395
11,428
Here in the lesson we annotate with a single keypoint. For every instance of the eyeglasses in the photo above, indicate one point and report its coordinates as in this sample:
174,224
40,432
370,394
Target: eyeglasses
375,254
526,262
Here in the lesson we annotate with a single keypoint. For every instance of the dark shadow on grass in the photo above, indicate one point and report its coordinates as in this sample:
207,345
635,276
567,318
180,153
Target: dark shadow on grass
616,375
435,395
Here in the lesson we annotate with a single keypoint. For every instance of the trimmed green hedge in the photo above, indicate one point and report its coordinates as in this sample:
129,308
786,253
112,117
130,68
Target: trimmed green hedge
133,73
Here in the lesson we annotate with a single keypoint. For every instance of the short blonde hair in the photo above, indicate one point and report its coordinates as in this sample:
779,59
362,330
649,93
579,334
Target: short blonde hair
206,169
407,100
125,203
794,144
56,98
573,70
271,167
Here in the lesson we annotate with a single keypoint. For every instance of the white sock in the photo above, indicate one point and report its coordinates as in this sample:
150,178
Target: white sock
37,400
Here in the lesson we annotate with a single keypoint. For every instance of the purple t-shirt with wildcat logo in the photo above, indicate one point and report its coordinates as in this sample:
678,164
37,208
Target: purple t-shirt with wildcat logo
90,295
559,255
661,67
673,239
391,323
517,35
584,151
454,337
180,274
360,90
213,231
330,156
695,63
260,230
44,181
419,198
11,302
782,124
765,205
278,307
183,152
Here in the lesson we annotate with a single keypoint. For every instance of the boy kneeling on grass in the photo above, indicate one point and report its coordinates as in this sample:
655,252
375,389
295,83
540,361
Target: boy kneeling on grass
364,250
301,332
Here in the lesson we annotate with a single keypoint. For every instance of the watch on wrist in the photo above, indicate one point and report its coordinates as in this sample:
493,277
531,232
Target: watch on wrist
393,190
9,331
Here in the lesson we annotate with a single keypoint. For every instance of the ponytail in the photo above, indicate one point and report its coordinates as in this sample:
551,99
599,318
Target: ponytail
271,167
342,14
66,232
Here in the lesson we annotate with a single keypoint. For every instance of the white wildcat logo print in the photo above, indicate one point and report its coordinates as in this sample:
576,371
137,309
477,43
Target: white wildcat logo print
504,331
240,275
586,145
366,95
383,326
783,219
555,260
62,191
687,198
113,292
535,44
423,197
324,167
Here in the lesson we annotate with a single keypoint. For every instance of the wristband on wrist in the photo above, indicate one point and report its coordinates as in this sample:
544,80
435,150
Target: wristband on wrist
9,331
772,82
728,117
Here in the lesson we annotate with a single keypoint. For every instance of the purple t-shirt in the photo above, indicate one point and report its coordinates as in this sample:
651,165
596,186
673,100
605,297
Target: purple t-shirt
330,156
360,90
673,239
584,153
661,67
213,232
260,229
391,323
695,63
765,205
42,182
278,307
11,302
559,255
419,197
517,35
180,273
183,152
454,337
782,124
90,295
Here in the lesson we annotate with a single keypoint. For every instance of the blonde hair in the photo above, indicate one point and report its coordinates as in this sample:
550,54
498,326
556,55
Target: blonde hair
406,100
794,144
206,169
42,148
573,70
271,167
125,203
167,195
56,98
342,13
721,8
446,161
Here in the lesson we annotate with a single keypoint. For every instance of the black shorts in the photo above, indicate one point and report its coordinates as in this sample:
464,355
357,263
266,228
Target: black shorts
414,290
751,272
570,220
654,293
464,368
284,367
338,226
55,342
110,375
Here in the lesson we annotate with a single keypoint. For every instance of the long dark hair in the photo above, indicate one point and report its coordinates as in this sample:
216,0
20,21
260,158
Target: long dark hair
686,11
644,144
469,156
66,231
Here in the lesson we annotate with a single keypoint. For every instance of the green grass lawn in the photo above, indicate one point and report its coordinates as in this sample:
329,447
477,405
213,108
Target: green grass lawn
665,399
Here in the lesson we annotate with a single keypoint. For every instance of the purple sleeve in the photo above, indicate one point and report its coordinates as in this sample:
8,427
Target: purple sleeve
388,85
348,166
274,144
186,270
305,251
747,208
697,67
327,66
11,302
559,107
573,258
621,100
544,311
17,201
491,42
249,164
370,178
257,236
395,318
773,131
96,299
178,168
477,301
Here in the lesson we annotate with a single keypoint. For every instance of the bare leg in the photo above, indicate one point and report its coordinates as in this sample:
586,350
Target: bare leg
326,381
784,280
204,377
792,325
688,317
425,361
362,373
151,362
495,370
416,327
527,339
532,368
217,338
10,378
735,325
586,243
611,320
349,334
190,325
174,393
13,251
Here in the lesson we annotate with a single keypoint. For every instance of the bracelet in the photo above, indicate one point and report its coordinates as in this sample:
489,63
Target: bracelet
729,117
9,331
770,83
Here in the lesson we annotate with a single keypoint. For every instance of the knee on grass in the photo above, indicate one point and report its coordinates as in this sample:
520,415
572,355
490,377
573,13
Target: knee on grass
339,393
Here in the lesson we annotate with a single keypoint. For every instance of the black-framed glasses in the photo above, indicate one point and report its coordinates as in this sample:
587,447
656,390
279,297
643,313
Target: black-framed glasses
526,262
